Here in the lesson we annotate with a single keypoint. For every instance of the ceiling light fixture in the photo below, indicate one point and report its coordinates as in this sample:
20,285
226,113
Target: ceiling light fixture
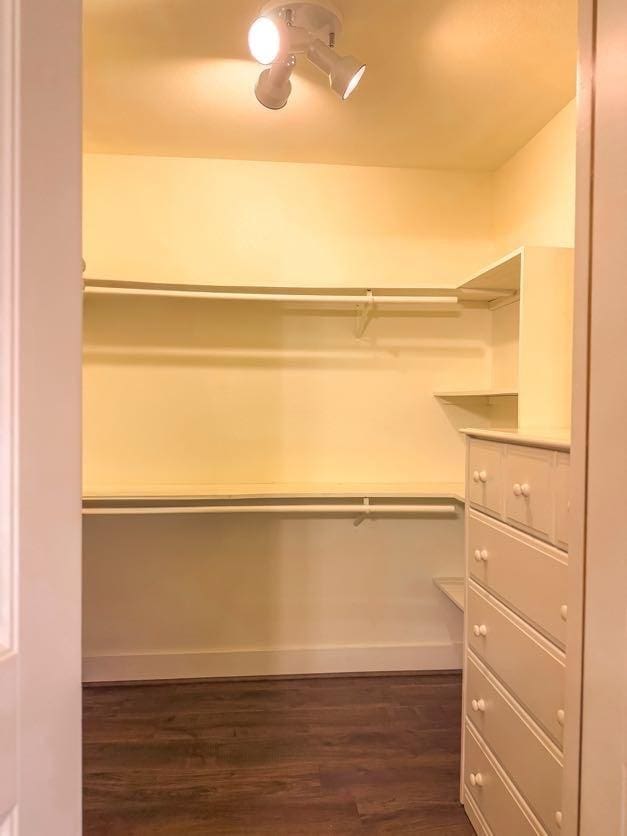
274,87
284,30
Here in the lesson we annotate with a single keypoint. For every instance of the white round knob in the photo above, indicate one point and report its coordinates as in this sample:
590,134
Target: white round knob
476,779
480,630
525,489
483,476
561,716
477,555
475,476
484,554
558,818
564,612
517,489
478,705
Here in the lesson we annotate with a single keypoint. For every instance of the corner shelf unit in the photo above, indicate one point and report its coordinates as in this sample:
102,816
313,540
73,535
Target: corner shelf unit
530,296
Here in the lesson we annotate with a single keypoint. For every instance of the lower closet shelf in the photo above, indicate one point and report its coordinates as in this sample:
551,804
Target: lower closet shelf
453,588
361,501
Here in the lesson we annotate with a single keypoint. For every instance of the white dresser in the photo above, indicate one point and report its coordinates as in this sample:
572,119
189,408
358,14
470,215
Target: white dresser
515,632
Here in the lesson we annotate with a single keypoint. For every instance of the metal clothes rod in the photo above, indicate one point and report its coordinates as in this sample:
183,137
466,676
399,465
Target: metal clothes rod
366,509
243,296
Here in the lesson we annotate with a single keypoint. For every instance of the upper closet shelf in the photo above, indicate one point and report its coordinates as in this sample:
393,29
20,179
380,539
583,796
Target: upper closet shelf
436,298
367,301
496,281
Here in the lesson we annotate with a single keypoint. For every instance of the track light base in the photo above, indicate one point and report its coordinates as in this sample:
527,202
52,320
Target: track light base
321,19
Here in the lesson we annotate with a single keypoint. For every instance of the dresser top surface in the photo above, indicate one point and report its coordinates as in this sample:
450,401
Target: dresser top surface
553,439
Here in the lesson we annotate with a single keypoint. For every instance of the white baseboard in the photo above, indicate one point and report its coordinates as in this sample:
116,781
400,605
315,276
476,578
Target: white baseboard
206,664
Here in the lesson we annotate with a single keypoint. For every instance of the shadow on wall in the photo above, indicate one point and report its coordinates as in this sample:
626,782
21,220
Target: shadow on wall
219,596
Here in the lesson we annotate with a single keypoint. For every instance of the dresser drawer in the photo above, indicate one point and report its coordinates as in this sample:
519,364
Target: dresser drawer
534,768
529,576
495,799
562,499
530,667
485,476
528,487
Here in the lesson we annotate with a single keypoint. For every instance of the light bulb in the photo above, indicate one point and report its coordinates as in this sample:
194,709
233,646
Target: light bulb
352,84
264,40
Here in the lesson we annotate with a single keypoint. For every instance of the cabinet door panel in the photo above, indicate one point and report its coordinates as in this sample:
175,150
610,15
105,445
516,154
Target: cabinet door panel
528,486
485,476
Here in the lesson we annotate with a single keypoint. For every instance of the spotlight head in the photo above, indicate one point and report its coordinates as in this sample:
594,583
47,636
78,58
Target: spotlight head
344,73
274,87
264,40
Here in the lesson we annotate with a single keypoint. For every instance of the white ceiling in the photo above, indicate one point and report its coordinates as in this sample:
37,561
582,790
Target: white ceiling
456,84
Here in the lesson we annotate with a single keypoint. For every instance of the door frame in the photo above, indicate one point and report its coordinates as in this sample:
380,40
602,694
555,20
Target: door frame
41,319
601,414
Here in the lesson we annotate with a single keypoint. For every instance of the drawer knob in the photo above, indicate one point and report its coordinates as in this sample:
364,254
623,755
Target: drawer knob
483,476
564,612
480,554
521,490
478,705
475,476
558,818
561,716
476,779
480,630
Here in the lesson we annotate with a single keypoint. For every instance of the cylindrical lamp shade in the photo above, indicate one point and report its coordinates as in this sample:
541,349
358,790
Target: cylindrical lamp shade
344,73
274,87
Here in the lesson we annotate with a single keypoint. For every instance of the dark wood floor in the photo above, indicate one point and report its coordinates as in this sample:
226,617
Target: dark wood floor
315,756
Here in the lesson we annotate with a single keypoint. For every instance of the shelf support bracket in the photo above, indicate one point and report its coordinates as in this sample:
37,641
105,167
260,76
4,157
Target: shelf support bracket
365,313
364,515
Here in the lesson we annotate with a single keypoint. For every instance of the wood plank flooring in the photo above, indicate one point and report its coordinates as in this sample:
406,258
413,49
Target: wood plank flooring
367,755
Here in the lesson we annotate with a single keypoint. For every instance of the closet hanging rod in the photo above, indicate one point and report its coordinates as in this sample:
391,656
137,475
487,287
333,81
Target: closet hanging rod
365,509
255,296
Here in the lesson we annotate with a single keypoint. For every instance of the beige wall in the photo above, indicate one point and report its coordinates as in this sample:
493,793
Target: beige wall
195,393
534,192
239,222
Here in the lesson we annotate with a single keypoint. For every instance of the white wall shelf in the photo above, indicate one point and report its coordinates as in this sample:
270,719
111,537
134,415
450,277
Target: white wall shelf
476,393
366,301
453,588
430,298
361,500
